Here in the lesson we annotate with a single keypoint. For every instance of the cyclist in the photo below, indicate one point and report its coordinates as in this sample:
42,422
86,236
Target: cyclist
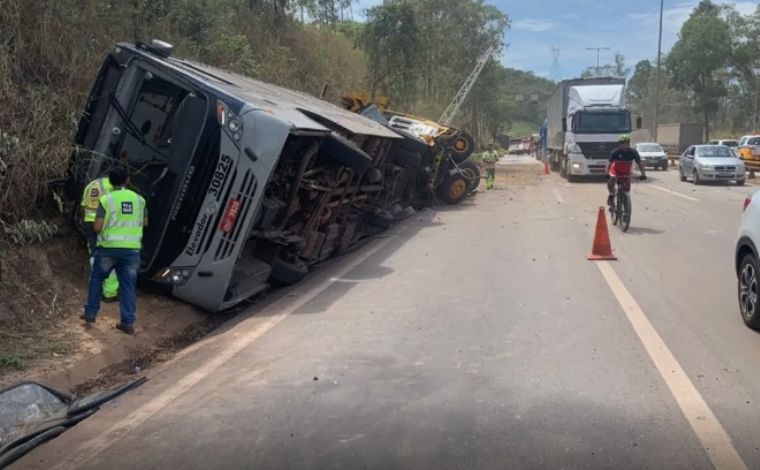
620,165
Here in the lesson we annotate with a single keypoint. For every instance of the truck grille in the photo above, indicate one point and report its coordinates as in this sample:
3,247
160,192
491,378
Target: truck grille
597,150
245,196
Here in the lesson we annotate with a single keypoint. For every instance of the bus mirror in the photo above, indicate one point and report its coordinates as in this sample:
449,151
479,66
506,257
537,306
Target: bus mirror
564,125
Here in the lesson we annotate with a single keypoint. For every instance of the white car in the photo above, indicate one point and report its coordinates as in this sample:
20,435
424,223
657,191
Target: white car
711,163
746,262
652,155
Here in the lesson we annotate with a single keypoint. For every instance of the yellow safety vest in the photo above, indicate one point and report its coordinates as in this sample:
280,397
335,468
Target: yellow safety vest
123,223
91,197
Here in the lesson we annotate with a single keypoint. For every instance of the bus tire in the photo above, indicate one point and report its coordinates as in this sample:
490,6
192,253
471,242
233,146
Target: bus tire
347,153
381,219
288,272
406,159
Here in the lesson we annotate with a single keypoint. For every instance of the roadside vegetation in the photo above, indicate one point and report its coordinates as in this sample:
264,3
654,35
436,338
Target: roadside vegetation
710,76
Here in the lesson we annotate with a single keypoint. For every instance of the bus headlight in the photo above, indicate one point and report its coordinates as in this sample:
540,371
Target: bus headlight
174,276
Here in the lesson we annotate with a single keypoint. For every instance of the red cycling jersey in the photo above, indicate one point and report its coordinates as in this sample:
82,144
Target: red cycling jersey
621,161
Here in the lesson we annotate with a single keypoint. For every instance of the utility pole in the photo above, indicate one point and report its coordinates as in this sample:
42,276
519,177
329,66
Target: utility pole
597,49
657,76
556,72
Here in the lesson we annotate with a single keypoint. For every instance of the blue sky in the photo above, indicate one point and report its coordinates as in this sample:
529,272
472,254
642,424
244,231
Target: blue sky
626,26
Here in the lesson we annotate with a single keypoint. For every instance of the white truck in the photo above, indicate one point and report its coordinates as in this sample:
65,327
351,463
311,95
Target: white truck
585,117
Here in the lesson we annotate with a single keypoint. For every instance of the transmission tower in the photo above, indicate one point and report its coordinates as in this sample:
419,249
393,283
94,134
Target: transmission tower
556,72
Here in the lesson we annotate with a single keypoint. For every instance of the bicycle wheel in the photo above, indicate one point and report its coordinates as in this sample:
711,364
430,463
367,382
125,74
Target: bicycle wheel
625,221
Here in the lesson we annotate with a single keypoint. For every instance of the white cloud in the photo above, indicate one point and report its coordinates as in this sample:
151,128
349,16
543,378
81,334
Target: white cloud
536,26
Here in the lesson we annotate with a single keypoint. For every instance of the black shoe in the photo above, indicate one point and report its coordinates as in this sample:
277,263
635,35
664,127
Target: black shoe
128,329
110,300
87,319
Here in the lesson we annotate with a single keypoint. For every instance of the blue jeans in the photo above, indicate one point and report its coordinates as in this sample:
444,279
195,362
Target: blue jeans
125,262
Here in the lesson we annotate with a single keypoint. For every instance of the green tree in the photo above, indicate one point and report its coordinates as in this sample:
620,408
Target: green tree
391,31
698,57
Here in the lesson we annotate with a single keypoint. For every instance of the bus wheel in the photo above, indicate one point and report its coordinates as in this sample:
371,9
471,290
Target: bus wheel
288,272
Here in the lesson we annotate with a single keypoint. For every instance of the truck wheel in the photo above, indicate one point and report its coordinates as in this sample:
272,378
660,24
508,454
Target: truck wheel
288,272
563,167
453,189
472,171
461,145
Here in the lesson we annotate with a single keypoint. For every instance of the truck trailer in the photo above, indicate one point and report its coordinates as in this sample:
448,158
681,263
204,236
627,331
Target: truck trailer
585,117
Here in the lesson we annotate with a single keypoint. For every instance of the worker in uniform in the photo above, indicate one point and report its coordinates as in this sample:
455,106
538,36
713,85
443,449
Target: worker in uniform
119,222
490,157
89,207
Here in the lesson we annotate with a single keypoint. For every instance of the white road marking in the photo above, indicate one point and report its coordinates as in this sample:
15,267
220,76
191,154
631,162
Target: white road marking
234,344
709,431
669,191
558,196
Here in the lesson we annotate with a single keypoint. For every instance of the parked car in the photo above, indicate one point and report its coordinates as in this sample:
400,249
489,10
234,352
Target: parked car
748,147
711,163
747,262
727,142
653,155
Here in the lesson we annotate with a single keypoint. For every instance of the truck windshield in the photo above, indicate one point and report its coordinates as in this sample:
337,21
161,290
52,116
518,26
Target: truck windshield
601,122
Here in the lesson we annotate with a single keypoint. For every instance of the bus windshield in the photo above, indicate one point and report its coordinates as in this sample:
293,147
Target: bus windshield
160,135
602,122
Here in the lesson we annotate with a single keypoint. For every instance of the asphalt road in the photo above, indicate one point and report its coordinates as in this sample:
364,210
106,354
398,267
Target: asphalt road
475,336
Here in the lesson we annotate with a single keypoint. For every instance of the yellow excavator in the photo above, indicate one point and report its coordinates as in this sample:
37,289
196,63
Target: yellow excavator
443,153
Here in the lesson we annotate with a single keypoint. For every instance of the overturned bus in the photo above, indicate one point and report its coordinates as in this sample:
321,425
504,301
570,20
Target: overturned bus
246,183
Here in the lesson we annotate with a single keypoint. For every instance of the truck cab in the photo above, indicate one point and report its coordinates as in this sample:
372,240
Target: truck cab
585,118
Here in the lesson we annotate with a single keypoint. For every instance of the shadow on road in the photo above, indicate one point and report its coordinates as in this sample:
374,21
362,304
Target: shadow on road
644,231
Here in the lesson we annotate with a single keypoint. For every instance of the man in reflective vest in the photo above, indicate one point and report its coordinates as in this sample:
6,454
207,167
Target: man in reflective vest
89,207
490,157
119,223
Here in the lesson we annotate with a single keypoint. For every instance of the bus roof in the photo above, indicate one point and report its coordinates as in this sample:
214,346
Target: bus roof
301,110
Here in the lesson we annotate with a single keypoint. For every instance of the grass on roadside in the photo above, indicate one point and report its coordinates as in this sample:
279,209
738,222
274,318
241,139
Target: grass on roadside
18,351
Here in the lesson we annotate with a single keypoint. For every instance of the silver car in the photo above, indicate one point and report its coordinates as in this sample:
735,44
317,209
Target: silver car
711,163
652,155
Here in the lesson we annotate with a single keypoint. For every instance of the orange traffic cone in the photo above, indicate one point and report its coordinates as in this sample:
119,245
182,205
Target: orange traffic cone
546,169
602,248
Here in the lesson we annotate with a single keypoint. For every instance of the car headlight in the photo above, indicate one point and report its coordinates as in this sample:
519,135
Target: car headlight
174,275
576,165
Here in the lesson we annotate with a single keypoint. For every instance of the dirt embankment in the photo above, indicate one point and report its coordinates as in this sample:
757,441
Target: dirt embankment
42,291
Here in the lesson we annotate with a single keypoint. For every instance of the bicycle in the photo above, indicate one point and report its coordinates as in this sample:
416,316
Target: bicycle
620,206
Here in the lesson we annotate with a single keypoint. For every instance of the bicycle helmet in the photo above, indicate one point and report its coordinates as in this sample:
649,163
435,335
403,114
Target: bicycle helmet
624,138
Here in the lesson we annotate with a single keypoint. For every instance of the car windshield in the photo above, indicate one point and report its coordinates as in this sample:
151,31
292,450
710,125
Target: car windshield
649,148
714,151
730,143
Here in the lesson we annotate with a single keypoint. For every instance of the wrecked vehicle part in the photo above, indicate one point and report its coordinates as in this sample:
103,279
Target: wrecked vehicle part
31,413
237,173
